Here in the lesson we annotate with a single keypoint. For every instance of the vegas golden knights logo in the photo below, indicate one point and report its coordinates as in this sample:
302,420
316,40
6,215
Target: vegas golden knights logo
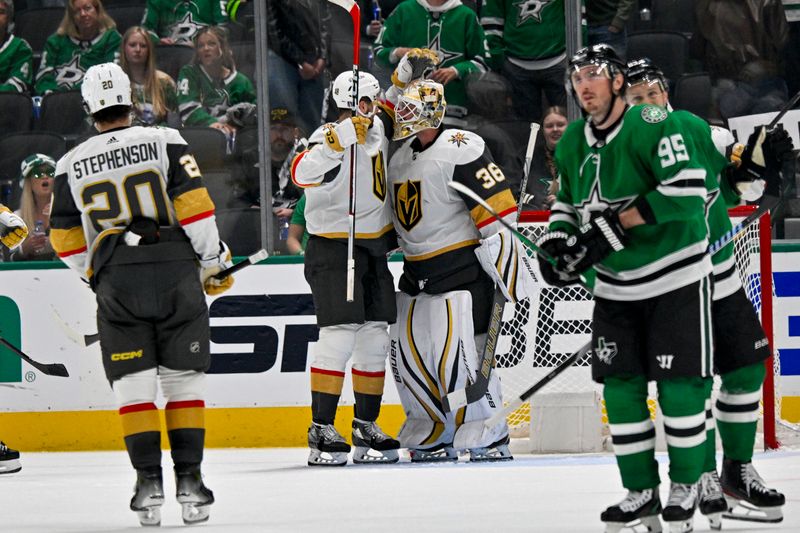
408,203
379,177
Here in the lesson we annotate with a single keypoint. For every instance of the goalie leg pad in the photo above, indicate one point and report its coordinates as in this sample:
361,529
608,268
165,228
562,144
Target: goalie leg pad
503,257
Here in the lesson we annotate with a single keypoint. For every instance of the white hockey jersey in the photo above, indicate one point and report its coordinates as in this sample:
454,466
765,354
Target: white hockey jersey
432,219
325,176
106,181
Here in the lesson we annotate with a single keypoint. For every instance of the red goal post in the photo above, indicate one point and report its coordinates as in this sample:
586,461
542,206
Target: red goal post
535,338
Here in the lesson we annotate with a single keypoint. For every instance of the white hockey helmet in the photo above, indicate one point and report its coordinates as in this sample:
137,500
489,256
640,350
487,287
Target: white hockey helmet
368,87
421,106
105,85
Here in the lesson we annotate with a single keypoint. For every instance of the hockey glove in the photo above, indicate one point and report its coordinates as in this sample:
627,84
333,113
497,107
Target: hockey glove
339,136
210,267
12,228
554,244
778,148
595,241
749,166
417,63
361,125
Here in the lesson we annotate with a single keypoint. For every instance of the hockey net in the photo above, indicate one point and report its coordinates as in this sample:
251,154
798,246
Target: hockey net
536,338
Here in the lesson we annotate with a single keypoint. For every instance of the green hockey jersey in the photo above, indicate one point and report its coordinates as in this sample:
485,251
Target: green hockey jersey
203,100
454,34
66,59
531,31
16,65
651,161
182,19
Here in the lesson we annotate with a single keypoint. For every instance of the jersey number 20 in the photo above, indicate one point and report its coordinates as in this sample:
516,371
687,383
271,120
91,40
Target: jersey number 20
132,194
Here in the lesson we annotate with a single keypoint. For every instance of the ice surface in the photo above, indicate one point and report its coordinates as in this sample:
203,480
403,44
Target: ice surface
265,490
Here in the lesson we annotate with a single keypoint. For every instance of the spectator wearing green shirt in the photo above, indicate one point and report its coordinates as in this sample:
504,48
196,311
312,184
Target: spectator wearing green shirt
16,56
298,236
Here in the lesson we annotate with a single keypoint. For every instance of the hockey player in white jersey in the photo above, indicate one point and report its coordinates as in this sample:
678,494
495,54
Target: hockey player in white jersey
357,330
131,216
446,295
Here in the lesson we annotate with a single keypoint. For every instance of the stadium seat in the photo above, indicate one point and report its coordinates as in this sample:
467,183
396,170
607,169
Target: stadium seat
16,113
125,15
668,49
36,25
63,113
220,188
692,92
240,229
208,145
14,148
171,57
245,56
674,15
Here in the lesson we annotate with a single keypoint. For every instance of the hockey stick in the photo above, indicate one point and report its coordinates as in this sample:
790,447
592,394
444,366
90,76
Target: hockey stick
50,369
767,204
90,339
355,14
526,171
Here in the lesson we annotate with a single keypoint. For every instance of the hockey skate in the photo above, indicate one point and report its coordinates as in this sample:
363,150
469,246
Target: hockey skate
437,454
748,498
639,508
372,445
712,502
148,497
9,460
328,447
681,505
195,498
497,451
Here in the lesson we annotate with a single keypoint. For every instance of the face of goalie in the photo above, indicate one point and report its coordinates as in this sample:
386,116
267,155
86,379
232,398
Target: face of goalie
647,92
595,88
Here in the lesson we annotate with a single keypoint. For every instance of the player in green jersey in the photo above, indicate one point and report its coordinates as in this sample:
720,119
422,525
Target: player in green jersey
740,346
631,205
171,22
16,56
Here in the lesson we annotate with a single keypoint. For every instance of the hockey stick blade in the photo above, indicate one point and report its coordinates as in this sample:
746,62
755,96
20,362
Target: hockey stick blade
251,260
50,369
477,389
522,398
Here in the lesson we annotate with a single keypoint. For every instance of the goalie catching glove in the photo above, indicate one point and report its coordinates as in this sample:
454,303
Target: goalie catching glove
574,254
415,64
211,267
12,228
346,133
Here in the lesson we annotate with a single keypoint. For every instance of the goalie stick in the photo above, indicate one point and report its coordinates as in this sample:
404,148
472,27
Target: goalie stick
89,339
50,369
526,170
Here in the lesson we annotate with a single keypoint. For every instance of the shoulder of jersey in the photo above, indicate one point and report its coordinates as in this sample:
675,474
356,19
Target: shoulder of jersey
459,146
317,137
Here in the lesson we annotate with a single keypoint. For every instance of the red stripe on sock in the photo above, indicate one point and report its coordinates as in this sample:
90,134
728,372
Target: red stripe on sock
185,404
327,372
137,407
366,374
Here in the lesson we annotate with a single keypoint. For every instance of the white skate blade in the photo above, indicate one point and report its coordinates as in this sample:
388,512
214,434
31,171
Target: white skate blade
648,524
485,455
680,526
150,517
436,456
10,466
195,514
742,510
320,458
365,456
714,521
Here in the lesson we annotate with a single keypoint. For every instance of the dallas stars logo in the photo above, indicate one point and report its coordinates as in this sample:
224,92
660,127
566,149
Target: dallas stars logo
184,29
605,351
530,9
71,74
444,55
458,139
596,202
653,114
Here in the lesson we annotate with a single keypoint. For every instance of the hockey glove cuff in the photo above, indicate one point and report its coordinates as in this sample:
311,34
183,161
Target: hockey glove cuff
12,228
213,266
554,244
361,125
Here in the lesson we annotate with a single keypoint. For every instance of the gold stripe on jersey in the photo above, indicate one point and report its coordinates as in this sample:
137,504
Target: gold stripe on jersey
68,242
502,202
193,205
342,235
456,246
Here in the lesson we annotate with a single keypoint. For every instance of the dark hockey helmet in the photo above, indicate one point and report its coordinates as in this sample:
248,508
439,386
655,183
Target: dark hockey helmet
601,55
645,71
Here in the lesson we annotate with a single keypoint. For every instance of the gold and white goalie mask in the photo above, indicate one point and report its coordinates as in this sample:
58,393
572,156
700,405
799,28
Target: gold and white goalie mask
433,352
420,107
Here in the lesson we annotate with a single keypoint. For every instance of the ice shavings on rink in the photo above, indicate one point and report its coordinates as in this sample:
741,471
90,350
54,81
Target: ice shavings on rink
266,490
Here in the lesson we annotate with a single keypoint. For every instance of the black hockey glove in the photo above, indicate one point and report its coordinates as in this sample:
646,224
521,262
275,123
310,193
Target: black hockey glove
778,148
242,114
595,241
554,244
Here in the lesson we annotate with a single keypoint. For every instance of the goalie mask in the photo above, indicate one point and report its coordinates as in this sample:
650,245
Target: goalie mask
420,107
104,86
342,89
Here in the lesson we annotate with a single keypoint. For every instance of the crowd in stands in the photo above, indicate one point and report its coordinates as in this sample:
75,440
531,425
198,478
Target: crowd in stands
191,64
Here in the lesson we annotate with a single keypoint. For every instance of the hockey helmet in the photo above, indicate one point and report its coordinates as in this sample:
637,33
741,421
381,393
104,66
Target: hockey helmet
37,166
368,87
420,107
105,85
644,71
600,55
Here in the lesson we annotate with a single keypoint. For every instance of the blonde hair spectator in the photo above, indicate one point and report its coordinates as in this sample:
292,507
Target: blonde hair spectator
69,25
153,90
